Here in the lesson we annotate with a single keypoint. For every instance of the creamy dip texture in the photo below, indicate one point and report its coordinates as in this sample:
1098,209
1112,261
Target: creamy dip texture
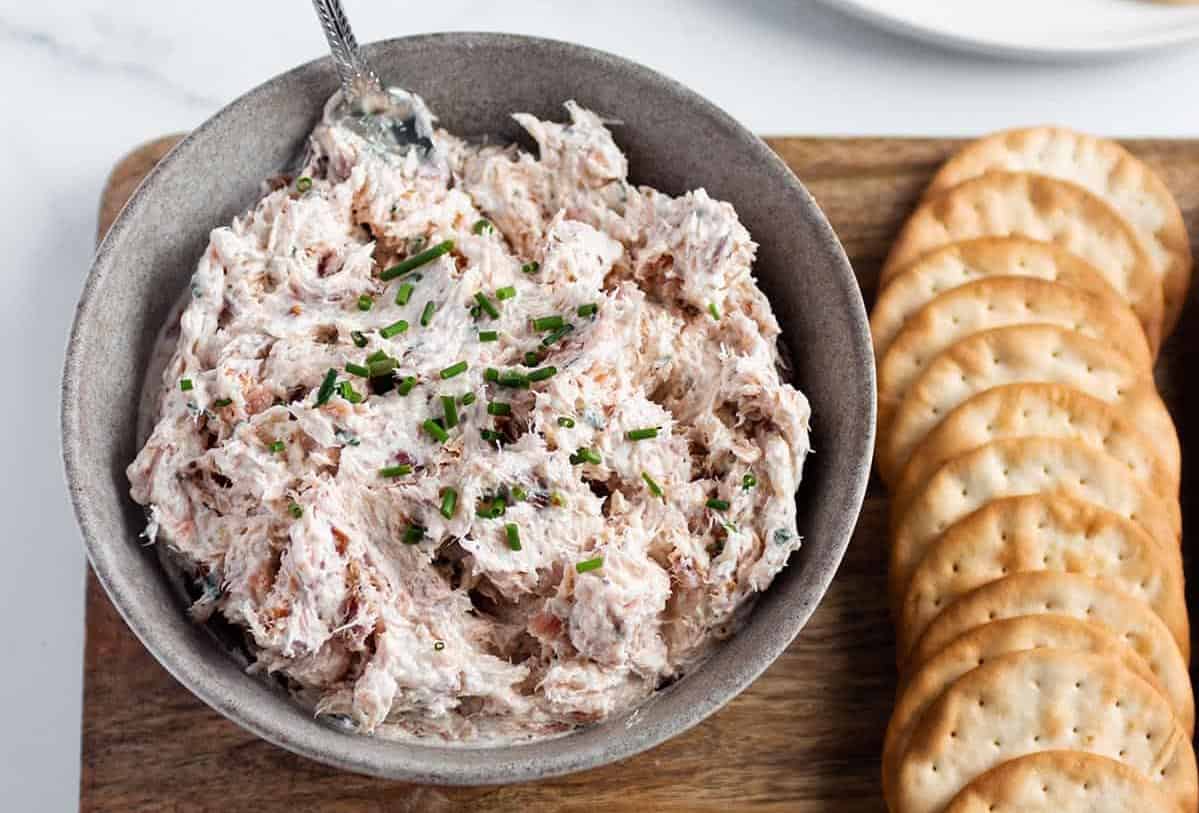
480,448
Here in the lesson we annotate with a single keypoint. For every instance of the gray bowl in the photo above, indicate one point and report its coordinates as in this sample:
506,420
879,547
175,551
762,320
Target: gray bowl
675,141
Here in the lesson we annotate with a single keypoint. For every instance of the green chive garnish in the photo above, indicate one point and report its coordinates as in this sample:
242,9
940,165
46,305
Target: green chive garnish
552,322
717,505
588,310
507,292
325,392
518,494
278,446
413,534
453,370
220,403
531,268
491,436
450,409
406,385
491,374
514,379
303,184
542,373
381,368
417,260
553,338
449,503
748,482
487,305
395,471
532,359
642,434
426,315
654,488
488,336
295,509
404,293
586,456
436,430
491,509
365,302
185,384
712,309
590,564
378,355
499,408
482,227
347,391
474,312
513,534
468,399
358,369
569,423
358,338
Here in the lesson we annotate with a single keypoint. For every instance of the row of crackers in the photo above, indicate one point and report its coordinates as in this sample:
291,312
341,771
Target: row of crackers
1035,573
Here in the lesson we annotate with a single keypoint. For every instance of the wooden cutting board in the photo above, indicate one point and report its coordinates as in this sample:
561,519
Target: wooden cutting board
804,737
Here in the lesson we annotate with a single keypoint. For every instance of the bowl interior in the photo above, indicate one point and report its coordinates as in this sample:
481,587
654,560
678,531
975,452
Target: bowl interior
675,141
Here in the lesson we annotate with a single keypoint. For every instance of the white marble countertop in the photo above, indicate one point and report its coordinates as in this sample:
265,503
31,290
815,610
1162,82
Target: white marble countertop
85,80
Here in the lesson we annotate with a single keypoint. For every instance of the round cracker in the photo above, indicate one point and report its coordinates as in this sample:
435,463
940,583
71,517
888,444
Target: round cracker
1043,208
1065,594
1044,700
1025,353
993,303
1038,532
1057,781
1053,410
982,644
1105,169
968,261
1015,466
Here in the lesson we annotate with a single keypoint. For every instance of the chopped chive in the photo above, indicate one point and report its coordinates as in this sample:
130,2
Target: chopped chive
712,309
553,338
406,385
295,509
186,384
365,302
303,184
222,402
654,488
487,305
474,311
358,369
325,392
381,368
426,315
468,399
531,268
643,434
488,336
491,509
586,456
436,430
347,391
395,471
449,503
588,310
542,373
438,646
453,370
569,423
404,293
552,322
519,494
491,436
491,374
482,227
499,408
717,505
507,292
358,338
514,379
450,408
589,564
413,534
748,482
417,260
513,534
278,446
532,359
378,355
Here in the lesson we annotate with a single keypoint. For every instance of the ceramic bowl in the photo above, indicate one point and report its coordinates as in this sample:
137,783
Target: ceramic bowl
675,141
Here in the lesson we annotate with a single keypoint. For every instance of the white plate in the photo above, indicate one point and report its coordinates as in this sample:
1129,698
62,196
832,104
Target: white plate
1035,29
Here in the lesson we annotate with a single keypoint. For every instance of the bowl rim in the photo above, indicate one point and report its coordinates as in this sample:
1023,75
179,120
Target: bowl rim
366,755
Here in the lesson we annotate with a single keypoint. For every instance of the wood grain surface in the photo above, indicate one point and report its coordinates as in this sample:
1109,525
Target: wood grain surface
804,737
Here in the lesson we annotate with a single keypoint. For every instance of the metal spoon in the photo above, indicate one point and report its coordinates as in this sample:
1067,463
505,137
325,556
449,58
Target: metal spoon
390,117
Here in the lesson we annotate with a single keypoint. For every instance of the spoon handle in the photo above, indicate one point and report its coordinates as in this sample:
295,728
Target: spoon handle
358,80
